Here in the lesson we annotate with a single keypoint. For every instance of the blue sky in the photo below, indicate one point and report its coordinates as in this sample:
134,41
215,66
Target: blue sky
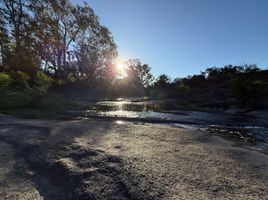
184,37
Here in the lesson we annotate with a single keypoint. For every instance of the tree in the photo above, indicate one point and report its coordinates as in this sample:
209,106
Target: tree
3,41
138,73
94,53
63,40
162,81
60,25
15,19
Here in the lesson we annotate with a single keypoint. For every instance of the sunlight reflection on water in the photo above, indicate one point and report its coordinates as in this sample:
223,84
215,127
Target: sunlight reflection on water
122,113
242,128
119,122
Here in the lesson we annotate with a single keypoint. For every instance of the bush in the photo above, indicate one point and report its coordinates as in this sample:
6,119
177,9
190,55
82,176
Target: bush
41,85
5,80
249,92
183,91
20,78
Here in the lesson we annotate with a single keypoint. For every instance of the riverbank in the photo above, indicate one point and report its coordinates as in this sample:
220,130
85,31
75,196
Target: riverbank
17,102
97,159
55,104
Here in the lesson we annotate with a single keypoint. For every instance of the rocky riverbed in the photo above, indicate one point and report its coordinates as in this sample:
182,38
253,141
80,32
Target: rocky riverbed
98,159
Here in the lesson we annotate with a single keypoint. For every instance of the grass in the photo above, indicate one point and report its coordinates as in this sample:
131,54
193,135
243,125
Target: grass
17,103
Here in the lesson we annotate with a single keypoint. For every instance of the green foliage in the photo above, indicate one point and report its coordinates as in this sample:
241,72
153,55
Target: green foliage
56,42
183,91
162,81
41,85
138,74
20,78
249,92
5,80
17,102
161,87
71,78
245,86
57,37
133,81
13,99
66,42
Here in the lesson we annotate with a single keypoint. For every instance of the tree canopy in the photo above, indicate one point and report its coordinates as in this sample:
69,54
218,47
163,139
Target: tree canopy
57,37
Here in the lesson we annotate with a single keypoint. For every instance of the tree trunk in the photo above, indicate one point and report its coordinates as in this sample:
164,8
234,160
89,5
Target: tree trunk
18,51
59,63
2,57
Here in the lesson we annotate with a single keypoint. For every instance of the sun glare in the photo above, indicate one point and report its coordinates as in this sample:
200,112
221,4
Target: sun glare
121,69
120,66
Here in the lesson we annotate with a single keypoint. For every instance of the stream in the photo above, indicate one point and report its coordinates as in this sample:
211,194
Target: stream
244,129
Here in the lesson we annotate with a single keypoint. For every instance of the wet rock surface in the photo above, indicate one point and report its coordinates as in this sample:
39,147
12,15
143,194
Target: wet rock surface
96,159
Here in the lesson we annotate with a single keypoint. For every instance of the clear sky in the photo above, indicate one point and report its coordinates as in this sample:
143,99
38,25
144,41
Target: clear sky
184,37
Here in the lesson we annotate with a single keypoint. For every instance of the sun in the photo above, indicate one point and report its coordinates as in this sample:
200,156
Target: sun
120,67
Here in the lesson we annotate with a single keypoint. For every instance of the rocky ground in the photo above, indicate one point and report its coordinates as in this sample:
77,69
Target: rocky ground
96,159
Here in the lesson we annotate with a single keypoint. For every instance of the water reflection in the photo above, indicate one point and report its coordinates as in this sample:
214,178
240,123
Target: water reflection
119,122
120,106
235,127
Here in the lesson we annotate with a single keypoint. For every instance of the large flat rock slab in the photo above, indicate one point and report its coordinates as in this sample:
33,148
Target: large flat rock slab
96,159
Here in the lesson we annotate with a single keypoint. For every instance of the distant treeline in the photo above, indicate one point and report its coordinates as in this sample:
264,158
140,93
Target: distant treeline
218,87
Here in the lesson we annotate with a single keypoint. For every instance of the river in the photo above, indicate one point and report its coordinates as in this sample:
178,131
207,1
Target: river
245,129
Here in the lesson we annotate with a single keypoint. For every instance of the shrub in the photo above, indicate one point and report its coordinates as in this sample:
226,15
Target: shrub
5,80
250,92
41,85
20,78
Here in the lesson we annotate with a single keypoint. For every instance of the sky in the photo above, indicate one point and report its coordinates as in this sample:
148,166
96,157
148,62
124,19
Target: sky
184,37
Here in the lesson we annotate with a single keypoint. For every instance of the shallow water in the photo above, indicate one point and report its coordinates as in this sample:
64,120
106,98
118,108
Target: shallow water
125,108
241,128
